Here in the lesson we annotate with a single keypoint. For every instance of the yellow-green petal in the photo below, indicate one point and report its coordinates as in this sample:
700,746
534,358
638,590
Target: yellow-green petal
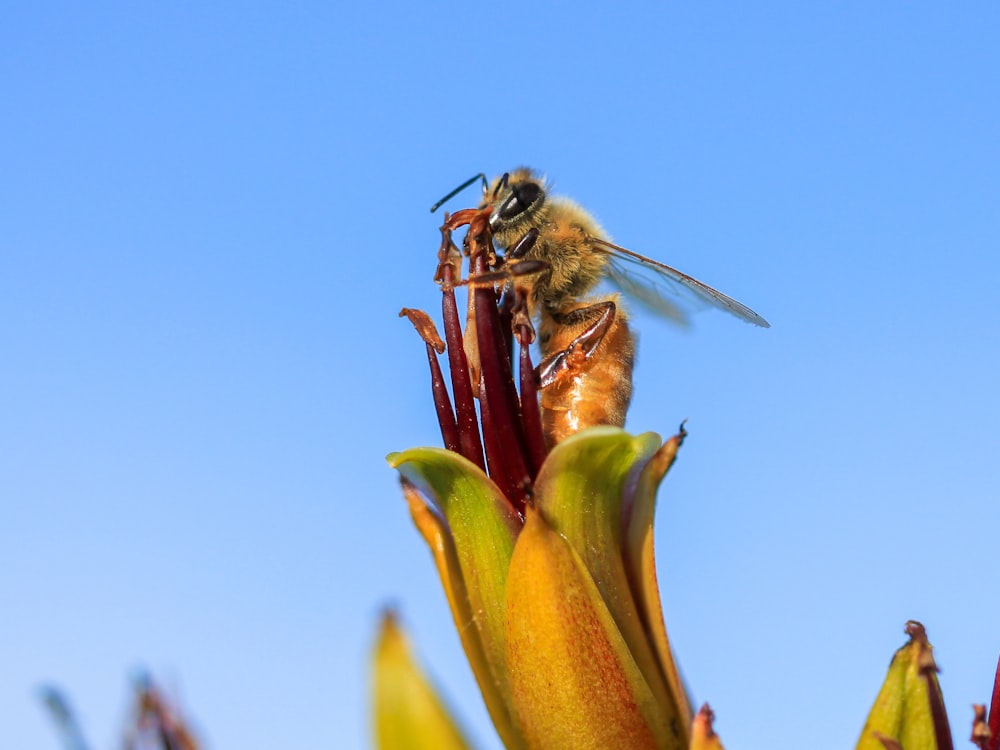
470,528
925,724
640,563
886,715
909,709
409,715
442,546
581,490
573,682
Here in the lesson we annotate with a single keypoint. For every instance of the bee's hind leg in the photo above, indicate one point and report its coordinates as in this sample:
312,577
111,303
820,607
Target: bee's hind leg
593,321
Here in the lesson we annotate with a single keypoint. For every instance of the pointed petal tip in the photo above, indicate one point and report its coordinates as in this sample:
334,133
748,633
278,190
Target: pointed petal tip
981,734
703,735
704,721
407,710
909,710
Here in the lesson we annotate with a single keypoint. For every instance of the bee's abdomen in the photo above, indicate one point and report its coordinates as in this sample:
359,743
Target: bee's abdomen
593,392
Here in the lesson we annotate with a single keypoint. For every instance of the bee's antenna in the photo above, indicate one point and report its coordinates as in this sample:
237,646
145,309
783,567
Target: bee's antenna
459,189
501,184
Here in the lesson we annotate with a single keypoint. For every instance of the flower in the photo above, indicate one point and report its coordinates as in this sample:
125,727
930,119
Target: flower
703,736
156,721
909,708
546,559
909,711
408,711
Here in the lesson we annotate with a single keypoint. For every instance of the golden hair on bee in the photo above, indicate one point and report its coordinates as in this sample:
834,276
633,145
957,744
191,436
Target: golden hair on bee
565,234
530,224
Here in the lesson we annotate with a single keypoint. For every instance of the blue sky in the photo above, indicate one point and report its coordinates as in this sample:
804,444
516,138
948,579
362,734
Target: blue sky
211,216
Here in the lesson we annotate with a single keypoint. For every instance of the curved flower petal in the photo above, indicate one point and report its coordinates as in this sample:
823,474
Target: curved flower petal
925,723
470,528
408,712
703,736
573,681
909,709
442,547
640,562
598,470
886,715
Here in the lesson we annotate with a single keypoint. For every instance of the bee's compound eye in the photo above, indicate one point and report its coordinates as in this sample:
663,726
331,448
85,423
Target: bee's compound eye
527,193
519,200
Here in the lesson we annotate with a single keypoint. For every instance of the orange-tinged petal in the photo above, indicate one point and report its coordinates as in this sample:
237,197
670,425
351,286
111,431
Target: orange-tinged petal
582,490
703,736
573,682
981,735
409,715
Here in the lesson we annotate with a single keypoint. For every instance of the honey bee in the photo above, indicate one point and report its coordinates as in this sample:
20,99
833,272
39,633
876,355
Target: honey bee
587,349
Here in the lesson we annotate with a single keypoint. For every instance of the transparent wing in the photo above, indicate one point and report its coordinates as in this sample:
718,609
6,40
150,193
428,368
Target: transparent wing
664,290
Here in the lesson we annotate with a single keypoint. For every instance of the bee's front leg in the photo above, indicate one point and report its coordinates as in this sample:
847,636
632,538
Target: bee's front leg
524,245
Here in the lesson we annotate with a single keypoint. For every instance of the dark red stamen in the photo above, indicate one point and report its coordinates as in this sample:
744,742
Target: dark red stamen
499,394
530,411
494,451
442,404
512,445
442,401
507,321
465,404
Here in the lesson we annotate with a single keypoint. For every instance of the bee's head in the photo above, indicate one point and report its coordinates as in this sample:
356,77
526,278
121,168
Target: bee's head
516,198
